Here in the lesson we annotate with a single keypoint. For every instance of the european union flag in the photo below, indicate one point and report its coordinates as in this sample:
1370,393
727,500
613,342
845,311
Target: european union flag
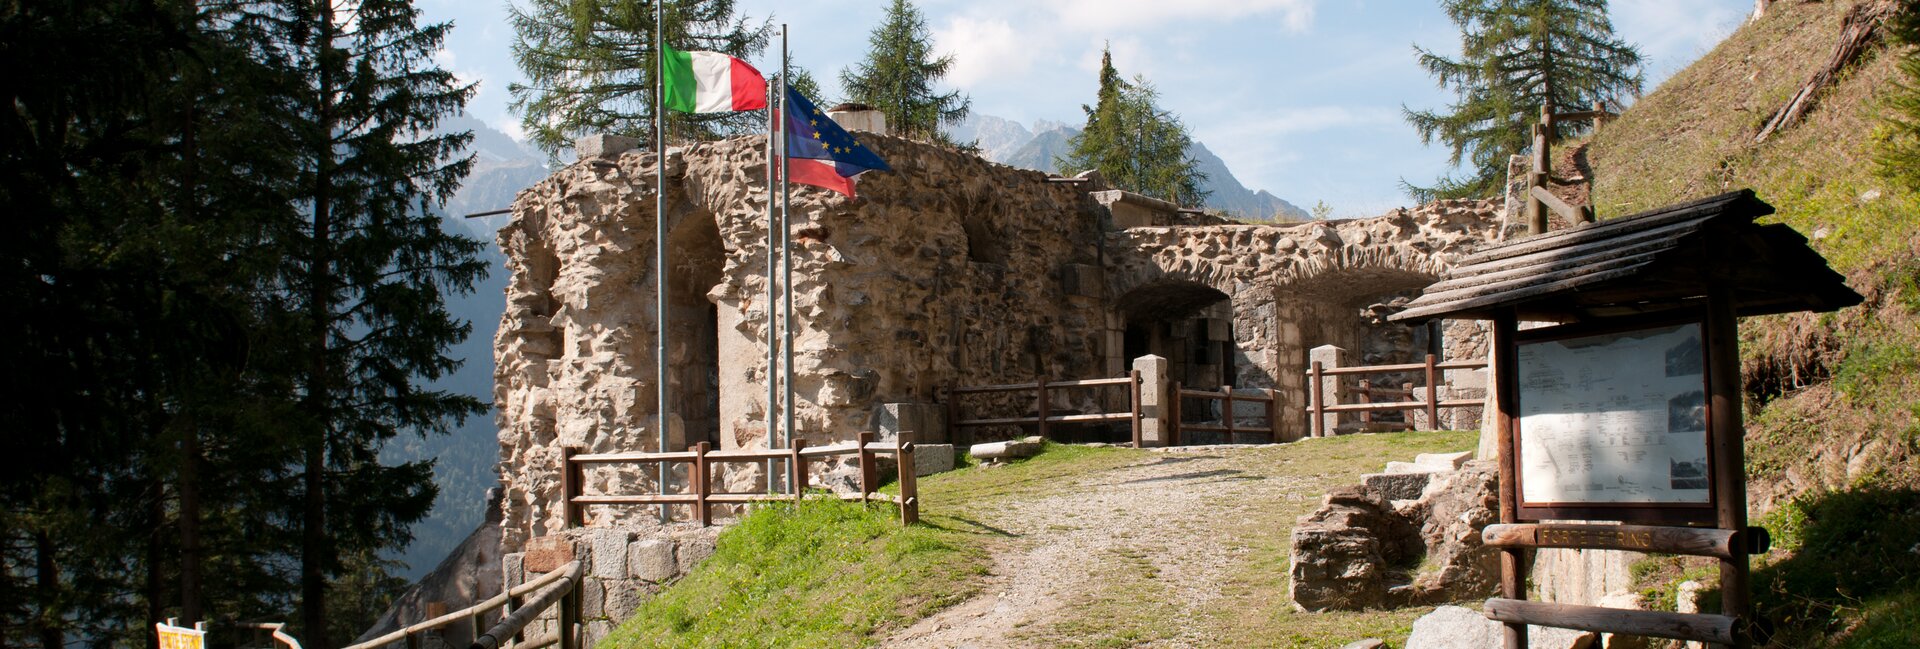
811,135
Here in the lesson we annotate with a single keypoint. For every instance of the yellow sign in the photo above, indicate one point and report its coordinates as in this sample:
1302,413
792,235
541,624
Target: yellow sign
178,637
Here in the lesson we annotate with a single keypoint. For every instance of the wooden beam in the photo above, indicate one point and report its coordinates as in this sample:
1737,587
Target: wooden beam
1727,449
1694,541
1657,624
1506,404
1570,213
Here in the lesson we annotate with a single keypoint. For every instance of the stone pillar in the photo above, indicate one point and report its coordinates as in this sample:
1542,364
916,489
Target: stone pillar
1331,388
1155,382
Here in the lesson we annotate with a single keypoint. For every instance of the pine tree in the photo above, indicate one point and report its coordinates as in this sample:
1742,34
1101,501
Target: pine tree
1134,143
589,67
898,75
1516,56
360,311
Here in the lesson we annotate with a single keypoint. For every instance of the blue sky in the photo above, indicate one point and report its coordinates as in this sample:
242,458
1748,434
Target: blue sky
1302,98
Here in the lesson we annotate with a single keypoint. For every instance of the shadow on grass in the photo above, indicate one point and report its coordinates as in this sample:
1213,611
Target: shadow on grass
977,527
1855,567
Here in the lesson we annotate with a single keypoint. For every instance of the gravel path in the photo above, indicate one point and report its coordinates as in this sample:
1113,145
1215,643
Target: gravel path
1156,521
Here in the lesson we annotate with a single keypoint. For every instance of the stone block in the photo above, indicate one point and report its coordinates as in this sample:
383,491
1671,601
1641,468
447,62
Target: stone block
548,553
1408,467
603,145
1443,461
692,548
1008,450
1083,280
910,422
623,597
1369,643
593,599
593,632
1397,486
1155,380
929,459
1454,627
1219,329
652,560
513,569
610,553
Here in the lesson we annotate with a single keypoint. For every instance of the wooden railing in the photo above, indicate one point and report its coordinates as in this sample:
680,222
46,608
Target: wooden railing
701,496
1226,398
521,605
1539,199
1318,406
1043,417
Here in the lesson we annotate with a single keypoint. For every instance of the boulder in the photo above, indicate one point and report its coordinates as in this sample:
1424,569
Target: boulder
1453,627
1351,553
1397,486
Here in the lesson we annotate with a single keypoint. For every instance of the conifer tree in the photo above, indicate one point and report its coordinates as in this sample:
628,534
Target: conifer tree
1516,56
1898,152
361,302
898,75
589,67
1134,143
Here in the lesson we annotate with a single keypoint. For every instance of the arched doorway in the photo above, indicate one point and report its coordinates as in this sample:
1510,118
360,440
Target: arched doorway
695,262
1189,324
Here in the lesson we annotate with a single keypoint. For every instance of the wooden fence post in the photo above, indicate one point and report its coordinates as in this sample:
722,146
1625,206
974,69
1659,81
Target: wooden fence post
1226,410
867,468
1317,393
570,479
1134,396
702,483
1365,389
909,483
799,470
1042,388
953,418
1173,417
1433,393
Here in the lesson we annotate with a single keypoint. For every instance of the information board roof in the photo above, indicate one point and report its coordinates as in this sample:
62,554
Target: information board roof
1651,262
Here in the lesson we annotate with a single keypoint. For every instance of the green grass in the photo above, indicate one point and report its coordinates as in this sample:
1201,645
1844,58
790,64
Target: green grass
824,574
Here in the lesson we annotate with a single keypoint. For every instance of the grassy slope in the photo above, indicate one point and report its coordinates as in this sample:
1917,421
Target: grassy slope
834,575
1833,439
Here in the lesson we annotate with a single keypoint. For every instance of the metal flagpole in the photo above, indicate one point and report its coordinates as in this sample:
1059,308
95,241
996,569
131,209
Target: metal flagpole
660,234
773,255
786,264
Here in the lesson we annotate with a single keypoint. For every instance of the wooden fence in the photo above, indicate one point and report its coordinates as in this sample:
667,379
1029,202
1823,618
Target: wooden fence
701,496
1226,398
521,605
1318,407
1043,418
1539,199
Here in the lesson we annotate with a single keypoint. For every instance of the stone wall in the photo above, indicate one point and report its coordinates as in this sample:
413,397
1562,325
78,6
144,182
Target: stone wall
950,270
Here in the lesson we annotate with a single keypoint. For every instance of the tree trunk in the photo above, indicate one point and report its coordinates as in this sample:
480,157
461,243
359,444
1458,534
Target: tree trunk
47,586
314,540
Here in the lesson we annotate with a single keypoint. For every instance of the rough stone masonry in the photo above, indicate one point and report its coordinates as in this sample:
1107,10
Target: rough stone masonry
951,270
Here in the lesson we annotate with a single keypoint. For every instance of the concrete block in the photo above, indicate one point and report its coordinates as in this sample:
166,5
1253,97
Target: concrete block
547,553
924,423
610,553
929,459
652,560
603,145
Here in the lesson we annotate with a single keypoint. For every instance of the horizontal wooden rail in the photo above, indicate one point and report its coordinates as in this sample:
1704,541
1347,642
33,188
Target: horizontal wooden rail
1695,541
1401,367
1402,405
1227,396
1583,115
1697,627
514,622
1206,394
1005,387
570,572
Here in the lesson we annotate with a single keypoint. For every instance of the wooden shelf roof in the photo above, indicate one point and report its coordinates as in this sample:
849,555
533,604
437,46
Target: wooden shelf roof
1654,261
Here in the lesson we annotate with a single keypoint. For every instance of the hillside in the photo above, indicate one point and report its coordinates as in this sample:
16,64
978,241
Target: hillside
1834,400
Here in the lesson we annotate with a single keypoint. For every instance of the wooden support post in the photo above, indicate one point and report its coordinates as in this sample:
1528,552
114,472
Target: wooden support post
1226,410
1273,416
1173,417
953,418
514,604
909,483
1536,210
570,617
413,641
1728,449
867,467
1133,395
702,484
1317,393
1365,390
570,481
798,472
1513,561
1433,393
1041,387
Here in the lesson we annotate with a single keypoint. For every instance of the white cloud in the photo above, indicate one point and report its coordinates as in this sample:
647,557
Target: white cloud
982,49
507,124
1306,119
1109,15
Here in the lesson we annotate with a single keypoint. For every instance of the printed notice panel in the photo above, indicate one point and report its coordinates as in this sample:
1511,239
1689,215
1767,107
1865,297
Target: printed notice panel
1614,418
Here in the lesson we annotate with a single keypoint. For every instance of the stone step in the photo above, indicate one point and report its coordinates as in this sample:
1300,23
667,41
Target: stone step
1443,461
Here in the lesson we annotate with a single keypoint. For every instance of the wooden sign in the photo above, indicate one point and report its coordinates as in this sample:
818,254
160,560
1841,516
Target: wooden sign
1614,424
179,637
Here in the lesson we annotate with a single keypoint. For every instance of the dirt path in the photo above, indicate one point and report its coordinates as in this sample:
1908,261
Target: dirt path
1115,539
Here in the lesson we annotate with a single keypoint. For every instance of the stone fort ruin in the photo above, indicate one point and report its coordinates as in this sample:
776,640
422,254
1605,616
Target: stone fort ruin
950,270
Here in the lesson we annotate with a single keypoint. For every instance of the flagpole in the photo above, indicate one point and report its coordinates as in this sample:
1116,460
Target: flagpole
660,234
773,255
786,261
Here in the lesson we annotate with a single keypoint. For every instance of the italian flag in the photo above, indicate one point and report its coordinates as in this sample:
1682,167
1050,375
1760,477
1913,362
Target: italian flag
711,82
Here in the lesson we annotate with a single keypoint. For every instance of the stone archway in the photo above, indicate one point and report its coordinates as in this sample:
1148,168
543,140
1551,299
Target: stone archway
1189,324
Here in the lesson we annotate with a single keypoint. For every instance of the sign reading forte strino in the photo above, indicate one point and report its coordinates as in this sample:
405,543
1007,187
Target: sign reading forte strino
1615,421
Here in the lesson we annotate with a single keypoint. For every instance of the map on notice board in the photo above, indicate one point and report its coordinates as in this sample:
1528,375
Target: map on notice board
1614,418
